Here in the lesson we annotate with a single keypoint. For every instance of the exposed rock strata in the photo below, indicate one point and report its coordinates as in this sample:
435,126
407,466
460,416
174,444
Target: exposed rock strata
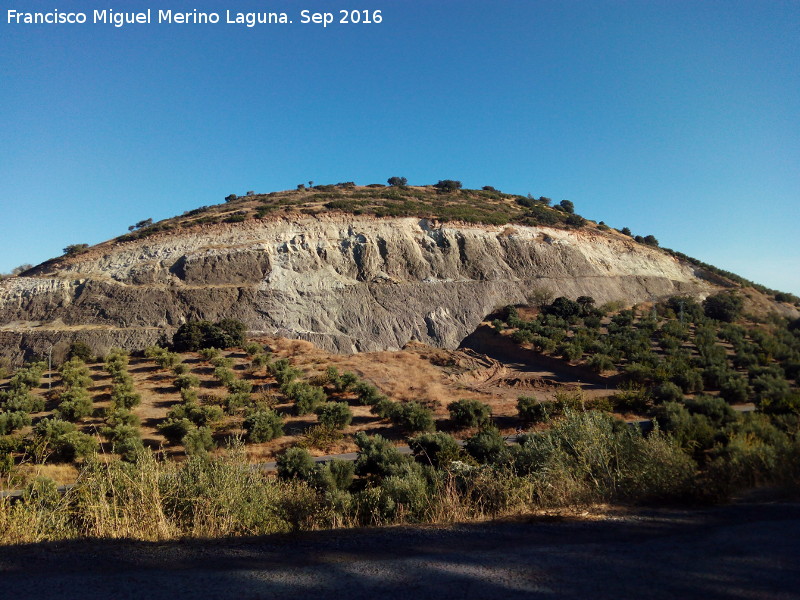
346,283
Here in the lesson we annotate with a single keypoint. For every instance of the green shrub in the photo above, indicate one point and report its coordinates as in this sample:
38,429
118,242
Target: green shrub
252,348
306,397
734,389
688,380
240,386
11,421
189,395
22,400
263,425
600,363
283,372
208,354
175,429
167,360
438,449
334,475
412,417
716,409
723,306
487,446
368,394
377,457
334,414
75,374
62,441
121,416
195,335
198,441
233,402
75,404
469,413
532,410
123,396
126,440
80,350
180,369
186,381
295,463
223,361
667,392
224,375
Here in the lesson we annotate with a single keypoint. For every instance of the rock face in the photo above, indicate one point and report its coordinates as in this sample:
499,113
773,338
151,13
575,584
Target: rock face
347,283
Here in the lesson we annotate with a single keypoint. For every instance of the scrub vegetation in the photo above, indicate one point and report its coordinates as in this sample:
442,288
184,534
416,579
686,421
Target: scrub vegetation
683,364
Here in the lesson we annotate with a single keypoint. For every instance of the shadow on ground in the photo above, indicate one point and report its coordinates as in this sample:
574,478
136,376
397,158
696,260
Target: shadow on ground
741,551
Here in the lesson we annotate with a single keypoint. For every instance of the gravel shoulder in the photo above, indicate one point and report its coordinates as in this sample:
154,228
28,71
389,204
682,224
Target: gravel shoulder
746,550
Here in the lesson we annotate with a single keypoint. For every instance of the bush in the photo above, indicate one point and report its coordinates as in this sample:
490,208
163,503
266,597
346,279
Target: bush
175,429
125,441
21,399
689,380
447,185
75,249
185,382
263,425
734,390
334,414
81,351
486,446
600,363
531,410
723,306
240,386
295,463
180,369
208,354
438,449
75,374
121,416
412,417
194,335
75,404
367,393
123,396
377,457
252,348
397,181
334,475
62,440
224,375
306,397
198,441
667,392
469,413
11,421
233,402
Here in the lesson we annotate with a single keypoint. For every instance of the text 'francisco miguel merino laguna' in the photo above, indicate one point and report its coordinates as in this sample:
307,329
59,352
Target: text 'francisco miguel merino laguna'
119,18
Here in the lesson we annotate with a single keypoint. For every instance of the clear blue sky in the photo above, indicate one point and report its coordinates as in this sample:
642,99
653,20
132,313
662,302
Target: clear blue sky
678,119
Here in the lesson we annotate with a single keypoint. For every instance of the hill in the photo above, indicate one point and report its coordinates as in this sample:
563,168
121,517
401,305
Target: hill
350,268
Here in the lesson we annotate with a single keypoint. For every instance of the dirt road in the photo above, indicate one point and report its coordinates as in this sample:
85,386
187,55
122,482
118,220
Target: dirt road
740,551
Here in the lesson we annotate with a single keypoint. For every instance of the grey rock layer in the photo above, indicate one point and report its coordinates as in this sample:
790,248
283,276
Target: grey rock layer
346,283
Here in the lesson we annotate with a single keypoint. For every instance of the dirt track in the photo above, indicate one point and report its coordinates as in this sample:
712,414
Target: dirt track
742,551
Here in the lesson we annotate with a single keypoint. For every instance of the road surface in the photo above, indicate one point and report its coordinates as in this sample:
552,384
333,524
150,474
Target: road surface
747,551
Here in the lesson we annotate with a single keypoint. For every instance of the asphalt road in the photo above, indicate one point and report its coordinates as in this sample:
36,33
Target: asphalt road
747,551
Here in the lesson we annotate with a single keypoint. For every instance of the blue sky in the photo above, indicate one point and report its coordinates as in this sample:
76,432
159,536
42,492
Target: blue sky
677,119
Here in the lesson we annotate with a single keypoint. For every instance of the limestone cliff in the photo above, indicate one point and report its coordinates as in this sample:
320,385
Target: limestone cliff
348,283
